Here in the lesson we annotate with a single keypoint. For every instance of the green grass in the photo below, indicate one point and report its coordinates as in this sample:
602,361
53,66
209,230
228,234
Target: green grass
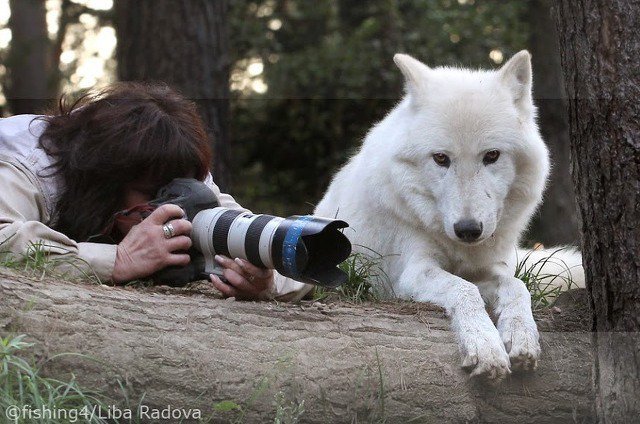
365,277
23,386
37,261
544,290
287,411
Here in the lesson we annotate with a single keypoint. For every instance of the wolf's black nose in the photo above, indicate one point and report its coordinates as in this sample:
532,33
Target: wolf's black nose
468,230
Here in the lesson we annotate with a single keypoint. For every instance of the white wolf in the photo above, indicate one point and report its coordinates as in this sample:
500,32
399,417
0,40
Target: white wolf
443,187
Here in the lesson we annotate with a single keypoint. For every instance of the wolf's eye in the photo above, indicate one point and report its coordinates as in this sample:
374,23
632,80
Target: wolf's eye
491,156
441,159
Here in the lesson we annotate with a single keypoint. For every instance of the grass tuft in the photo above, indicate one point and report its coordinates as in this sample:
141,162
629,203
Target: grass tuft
23,386
367,280
365,277
38,261
544,287
287,411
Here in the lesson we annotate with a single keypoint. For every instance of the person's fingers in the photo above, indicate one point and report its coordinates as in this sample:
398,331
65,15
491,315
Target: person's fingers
179,243
225,289
239,282
251,269
258,277
248,281
228,263
180,227
178,259
164,213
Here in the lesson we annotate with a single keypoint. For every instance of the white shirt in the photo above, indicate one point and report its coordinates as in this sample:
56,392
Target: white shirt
28,198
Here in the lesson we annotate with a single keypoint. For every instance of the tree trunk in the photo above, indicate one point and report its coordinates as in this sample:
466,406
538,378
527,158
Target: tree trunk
556,222
600,46
29,85
185,44
369,363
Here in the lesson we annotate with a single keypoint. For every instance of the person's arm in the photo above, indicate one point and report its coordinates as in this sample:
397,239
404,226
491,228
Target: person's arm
142,252
225,200
22,217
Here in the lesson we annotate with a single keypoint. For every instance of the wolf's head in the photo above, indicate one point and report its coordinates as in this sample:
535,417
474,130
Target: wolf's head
466,154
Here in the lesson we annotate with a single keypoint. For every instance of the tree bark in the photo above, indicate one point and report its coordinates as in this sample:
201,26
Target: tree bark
600,46
368,363
29,86
185,44
556,222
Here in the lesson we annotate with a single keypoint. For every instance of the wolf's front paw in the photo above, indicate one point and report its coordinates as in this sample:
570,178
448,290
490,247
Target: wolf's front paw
522,343
484,353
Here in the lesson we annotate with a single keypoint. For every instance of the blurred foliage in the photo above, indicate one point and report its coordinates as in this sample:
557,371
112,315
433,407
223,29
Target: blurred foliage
329,69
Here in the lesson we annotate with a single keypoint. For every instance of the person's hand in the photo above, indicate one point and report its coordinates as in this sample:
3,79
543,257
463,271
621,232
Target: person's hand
145,250
244,280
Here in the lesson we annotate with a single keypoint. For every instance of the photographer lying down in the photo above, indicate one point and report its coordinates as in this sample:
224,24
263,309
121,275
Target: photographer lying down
65,178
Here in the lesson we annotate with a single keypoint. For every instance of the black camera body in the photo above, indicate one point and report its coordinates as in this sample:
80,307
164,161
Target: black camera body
192,196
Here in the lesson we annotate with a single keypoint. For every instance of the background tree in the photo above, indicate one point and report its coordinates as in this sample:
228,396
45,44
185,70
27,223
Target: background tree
600,46
185,44
29,84
33,77
556,222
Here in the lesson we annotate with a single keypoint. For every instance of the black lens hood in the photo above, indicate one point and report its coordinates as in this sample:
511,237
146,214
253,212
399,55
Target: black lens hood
309,249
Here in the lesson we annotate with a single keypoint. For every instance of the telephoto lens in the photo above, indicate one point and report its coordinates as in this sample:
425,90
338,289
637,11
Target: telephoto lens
304,248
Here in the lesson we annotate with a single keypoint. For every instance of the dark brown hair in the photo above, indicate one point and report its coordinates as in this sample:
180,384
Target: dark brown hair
126,132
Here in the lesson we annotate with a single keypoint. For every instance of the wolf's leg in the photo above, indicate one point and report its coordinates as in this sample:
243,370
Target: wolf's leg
511,302
480,345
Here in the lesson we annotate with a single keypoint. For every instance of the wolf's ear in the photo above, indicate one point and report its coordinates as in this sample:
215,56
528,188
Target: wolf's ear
415,74
516,76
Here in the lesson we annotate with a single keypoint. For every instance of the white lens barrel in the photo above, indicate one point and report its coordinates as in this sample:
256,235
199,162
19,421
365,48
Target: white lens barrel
266,242
236,234
203,226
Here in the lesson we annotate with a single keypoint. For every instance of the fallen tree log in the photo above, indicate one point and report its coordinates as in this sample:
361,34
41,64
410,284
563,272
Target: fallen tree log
395,362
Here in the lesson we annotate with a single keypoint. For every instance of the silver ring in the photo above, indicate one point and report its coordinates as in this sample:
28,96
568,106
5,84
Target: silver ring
168,230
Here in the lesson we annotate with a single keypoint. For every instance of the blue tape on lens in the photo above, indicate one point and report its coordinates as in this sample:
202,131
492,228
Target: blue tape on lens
290,243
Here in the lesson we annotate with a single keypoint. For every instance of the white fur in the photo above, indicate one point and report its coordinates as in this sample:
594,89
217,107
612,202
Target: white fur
401,204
